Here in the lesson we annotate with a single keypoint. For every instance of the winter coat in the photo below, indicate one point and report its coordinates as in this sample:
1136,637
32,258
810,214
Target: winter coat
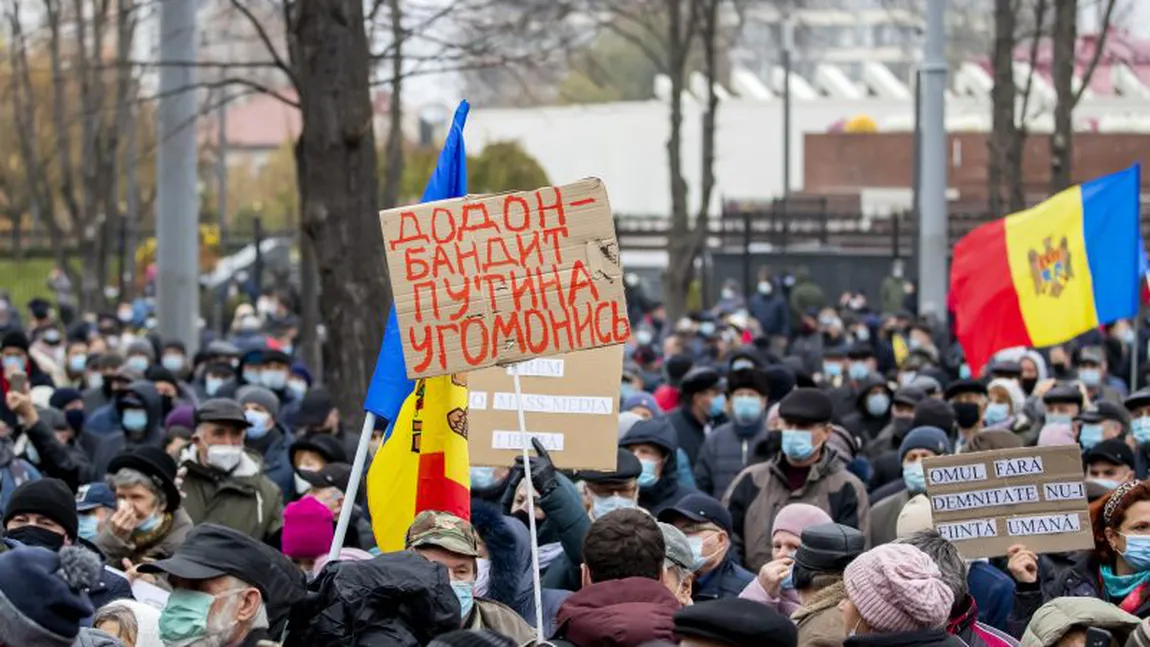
103,437
819,621
966,626
1142,461
1055,618
689,432
858,420
13,472
394,600
924,638
786,603
771,312
155,546
806,295
273,452
489,614
726,451
727,581
761,491
97,398
66,462
508,544
809,347
890,488
244,500
884,518
993,590
618,613
668,490
1074,575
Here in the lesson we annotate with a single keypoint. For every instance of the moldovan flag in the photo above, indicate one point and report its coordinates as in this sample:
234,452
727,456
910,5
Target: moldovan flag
1043,276
423,463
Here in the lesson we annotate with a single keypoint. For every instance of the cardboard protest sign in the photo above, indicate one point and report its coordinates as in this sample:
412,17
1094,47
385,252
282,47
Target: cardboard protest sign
570,403
985,502
486,280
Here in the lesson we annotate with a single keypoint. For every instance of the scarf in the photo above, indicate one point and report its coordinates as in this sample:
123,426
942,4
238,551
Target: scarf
1131,589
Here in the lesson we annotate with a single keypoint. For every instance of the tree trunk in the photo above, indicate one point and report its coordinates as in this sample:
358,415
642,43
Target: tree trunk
394,179
1065,35
338,189
680,266
1002,105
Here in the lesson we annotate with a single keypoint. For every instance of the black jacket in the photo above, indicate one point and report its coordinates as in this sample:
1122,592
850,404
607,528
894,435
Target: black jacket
68,462
689,432
925,638
394,600
667,491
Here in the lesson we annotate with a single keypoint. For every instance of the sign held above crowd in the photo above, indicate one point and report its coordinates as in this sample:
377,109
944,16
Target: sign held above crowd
985,502
486,280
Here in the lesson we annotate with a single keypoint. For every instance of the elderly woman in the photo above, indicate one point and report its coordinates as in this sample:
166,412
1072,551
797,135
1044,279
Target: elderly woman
134,623
1005,408
895,595
149,522
775,585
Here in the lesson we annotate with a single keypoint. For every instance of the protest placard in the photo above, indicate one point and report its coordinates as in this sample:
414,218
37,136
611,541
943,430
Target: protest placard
486,280
985,502
569,403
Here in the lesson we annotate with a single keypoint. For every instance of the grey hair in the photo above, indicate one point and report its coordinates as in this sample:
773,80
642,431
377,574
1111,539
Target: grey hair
946,556
681,573
260,621
128,477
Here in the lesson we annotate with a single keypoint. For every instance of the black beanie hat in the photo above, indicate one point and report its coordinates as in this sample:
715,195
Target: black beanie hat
48,497
15,339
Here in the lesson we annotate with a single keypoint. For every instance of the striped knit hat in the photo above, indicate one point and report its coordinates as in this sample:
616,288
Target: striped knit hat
898,588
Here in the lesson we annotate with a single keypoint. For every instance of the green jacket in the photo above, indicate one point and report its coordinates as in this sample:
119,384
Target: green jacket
244,500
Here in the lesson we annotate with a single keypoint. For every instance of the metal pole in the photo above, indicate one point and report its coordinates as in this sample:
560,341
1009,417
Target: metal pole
788,44
932,265
132,222
222,201
352,486
258,266
177,231
916,186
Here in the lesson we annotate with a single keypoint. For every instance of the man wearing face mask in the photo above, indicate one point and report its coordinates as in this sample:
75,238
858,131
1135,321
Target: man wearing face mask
1107,421
769,307
607,491
14,358
1092,372
149,522
1062,403
702,401
920,443
101,372
275,369
43,513
131,420
870,411
1138,404
266,437
968,399
224,484
654,443
75,362
1110,463
890,437
806,472
224,590
728,449
707,525
448,540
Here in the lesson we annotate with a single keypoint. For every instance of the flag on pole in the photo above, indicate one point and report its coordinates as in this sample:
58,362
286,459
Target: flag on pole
1045,275
423,463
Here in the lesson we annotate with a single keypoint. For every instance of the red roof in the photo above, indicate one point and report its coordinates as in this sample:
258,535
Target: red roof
262,121
1121,48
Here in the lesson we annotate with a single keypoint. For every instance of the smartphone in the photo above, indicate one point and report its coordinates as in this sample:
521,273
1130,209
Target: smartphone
1096,637
18,380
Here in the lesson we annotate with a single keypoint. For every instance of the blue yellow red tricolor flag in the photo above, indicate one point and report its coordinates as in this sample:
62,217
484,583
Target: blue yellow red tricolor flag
423,463
1045,275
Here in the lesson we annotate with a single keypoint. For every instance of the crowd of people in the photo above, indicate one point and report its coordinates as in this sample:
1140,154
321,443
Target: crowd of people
768,490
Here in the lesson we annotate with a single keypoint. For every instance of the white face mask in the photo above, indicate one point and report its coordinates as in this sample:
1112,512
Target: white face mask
224,457
301,486
482,576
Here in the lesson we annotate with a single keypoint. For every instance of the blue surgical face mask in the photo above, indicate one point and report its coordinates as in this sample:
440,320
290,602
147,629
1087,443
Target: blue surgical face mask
134,419
1090,435
1141,429
788,583
877,404
12,363
89,527
964,371
746,408
482,477
798,444
138,363
626,390
718,405
252,376
601,505
914,477
274,379
465,593
858,370
297,387
1058,418
1090,376
174,363
995,413
95,381
212,385
649,475
1137,553
259,423
150,523
832,369
1109,484
76,363
185,617
700,560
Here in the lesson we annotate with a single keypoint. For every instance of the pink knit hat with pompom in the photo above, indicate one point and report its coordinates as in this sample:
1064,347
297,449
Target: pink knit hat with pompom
898,588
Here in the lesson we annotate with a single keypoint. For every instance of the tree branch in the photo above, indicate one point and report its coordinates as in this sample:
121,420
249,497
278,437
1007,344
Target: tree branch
1099,46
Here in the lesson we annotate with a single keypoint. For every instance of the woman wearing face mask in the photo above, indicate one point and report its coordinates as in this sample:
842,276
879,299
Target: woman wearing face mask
654,443
149,522
774,586
1005,408
267,437
895,595
1117,570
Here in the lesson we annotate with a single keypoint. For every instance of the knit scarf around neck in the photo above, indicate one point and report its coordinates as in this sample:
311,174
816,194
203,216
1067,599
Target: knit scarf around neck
1128,591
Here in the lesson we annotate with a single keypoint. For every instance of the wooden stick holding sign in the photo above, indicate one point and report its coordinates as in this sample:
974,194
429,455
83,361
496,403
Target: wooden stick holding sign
985,502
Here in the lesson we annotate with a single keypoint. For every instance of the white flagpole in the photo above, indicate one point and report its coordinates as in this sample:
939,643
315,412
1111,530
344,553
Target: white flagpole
524,441
352,486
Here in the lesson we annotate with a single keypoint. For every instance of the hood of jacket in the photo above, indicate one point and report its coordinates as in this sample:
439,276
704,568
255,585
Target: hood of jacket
864,387
147,392
509,549
396,600
658,432
619,613
89,637
1055,618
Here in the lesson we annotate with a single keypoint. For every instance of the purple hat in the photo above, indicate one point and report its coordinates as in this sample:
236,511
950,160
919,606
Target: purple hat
898,588
182,415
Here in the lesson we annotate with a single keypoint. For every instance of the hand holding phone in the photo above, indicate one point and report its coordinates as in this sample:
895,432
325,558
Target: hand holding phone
18,380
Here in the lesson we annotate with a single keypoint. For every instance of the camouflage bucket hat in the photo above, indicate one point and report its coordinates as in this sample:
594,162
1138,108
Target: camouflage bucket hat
443,530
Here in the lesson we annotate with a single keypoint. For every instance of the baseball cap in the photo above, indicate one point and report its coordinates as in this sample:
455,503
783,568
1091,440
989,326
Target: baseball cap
443,530
1105,411
699,508
94,495
336,475
678,548
1113,451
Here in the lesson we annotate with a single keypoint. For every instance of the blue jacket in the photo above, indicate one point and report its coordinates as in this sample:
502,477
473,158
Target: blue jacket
726,451
726,581
667,491
103,437
993,592
273,449
772,313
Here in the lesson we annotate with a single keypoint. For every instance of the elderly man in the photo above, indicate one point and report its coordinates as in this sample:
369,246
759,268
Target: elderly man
220,589
707,525
266,435
149,523
223,484
448,540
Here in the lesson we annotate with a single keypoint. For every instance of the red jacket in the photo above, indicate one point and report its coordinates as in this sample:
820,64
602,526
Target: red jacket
618,613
